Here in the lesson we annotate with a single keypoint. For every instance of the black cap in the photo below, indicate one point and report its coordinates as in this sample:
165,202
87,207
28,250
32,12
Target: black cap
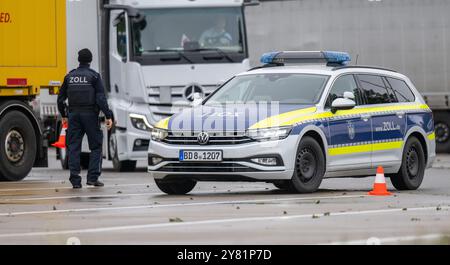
85,56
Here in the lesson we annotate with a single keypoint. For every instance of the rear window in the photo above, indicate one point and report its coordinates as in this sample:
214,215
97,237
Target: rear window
401,90
374,89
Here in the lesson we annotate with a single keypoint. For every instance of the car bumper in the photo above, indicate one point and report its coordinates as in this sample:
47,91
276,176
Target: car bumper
236,164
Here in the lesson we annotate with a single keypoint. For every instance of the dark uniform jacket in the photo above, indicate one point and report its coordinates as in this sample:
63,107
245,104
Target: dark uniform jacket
84,89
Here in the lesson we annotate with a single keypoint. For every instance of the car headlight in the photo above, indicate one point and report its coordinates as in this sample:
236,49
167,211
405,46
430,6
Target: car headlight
269,134
158,134
140,122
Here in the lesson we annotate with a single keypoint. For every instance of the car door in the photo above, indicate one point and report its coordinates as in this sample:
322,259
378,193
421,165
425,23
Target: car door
118,54
388,120
350,132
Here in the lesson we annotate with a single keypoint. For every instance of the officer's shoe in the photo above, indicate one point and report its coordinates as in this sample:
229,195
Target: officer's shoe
95,183
77,186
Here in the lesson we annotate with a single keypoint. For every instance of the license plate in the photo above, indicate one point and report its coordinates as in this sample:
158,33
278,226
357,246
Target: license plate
193,155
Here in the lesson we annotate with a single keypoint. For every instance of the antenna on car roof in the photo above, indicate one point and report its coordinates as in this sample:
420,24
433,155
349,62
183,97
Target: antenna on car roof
357,57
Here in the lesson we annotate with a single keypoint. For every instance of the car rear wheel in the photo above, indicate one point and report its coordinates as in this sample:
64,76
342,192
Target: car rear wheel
412,170
176,187
309,166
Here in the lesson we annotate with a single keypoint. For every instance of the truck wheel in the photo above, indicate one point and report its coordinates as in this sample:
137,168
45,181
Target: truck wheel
309,166
17,146
412,170
176,187
63,158
442,130
119,166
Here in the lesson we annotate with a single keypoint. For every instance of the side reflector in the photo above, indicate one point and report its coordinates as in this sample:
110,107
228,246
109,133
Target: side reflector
16,82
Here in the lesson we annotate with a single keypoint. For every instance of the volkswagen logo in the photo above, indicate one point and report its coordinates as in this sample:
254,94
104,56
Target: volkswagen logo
203,138
191,90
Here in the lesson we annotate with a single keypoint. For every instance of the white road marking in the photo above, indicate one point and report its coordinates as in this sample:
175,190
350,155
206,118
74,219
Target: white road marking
149,206
69,188
116,195
392,239
209,222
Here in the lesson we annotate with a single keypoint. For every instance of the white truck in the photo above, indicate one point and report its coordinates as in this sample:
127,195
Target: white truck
156,57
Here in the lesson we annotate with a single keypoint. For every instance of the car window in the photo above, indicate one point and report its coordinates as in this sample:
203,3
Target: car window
401,90
343,84
374,89
285,88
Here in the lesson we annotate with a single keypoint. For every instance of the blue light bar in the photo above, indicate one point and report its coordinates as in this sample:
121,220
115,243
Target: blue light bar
303,57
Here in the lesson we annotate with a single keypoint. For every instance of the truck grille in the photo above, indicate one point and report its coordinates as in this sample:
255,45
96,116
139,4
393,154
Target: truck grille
165,101
216,138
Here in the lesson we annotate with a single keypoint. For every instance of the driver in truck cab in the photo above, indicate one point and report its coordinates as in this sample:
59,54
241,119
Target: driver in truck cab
217,35
83,88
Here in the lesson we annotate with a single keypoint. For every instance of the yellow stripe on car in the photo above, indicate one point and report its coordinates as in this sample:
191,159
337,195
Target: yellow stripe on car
431,136
163,124
309,114
364,148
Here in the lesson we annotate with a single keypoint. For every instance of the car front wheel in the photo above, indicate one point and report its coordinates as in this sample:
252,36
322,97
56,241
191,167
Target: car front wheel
309,166
176,187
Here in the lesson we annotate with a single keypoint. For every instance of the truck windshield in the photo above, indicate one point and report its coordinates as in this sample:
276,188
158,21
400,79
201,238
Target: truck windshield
189,35
284,88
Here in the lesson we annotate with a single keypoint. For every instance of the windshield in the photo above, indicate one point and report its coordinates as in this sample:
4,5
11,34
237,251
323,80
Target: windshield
284,88
190,35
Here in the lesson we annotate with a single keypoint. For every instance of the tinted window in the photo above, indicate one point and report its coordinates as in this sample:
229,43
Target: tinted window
283,88
343,84
401,89
121,31
374,89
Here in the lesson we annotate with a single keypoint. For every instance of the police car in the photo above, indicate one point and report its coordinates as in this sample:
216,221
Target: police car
299,118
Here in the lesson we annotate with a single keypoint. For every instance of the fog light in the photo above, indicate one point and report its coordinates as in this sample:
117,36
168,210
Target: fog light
138,143
267,161
156,160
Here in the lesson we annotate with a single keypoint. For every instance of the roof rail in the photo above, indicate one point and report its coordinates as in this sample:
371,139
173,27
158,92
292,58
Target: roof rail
362,66
265,66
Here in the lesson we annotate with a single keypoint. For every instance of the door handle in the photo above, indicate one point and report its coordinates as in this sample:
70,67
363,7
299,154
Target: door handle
400,114
365,117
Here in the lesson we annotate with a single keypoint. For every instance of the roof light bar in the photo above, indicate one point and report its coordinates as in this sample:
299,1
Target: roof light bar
304,57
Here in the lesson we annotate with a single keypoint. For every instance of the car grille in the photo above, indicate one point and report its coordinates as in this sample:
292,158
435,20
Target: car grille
216,138
206,167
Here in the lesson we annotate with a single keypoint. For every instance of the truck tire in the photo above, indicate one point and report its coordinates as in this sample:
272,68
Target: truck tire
176,187
17,146
119,166
442,130
309,166
412,170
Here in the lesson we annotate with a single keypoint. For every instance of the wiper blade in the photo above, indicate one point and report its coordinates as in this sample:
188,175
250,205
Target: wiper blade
219,51
181,54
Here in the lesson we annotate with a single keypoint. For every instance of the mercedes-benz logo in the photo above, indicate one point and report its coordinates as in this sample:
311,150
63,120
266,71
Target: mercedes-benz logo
191,90
203,138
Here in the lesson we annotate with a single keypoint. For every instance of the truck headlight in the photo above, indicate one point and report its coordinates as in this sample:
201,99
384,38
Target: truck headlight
269,134
158,134
140,122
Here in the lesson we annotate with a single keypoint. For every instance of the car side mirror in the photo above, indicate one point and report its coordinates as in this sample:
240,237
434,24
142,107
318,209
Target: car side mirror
349,95
342,104
197,99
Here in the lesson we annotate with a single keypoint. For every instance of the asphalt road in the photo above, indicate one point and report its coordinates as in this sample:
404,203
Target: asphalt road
43,209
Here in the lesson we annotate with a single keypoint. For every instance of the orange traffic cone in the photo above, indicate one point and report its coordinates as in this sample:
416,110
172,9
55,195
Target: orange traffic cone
379,187
62,137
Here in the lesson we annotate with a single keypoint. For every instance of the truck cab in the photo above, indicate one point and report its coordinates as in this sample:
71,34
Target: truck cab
156,57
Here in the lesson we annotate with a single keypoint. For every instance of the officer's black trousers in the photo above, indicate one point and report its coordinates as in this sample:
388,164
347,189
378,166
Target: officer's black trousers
81,123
